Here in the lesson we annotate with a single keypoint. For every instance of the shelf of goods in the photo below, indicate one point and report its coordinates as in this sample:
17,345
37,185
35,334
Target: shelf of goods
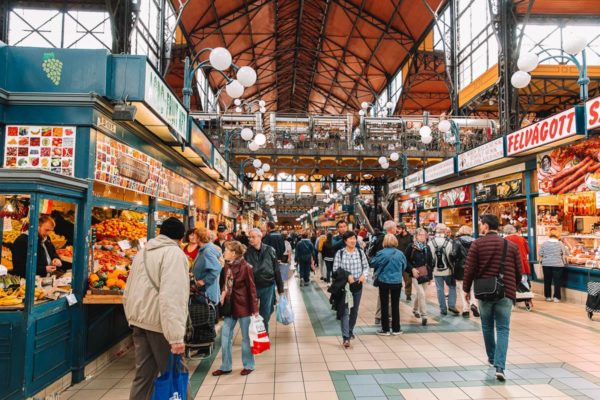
118,241
12,287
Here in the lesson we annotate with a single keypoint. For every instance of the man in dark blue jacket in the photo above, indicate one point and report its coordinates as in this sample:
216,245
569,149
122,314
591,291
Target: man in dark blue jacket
338,242
276,240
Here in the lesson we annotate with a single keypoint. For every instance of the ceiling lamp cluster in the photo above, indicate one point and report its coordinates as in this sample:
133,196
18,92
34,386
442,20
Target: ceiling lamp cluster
255,142
241,104
336,196
261,168
381,111
385,163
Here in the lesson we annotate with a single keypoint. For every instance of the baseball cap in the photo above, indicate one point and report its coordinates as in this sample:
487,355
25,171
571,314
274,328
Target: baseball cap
401,225
221,228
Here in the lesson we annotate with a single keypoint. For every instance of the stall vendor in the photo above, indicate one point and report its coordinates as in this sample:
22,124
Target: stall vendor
47,260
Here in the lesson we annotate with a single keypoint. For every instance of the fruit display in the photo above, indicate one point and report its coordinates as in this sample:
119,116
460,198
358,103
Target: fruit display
66,254
118,228
106,279
9,237
14,296
9,280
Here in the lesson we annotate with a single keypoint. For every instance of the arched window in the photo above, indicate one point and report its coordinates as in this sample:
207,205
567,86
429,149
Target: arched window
305,189
286,183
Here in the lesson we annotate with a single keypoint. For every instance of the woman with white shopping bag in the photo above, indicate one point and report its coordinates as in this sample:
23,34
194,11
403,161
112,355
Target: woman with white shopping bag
238,301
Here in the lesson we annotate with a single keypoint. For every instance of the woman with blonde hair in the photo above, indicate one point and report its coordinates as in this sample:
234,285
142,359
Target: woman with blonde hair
207,266
420,262
389,264
239,303
553,257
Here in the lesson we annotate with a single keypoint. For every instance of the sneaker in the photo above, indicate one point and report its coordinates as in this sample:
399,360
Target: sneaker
466,314
556,300
549,299
454,310
377,321
500,374
475,310
397,333
416,314
383,333
408,298
491,363
424,322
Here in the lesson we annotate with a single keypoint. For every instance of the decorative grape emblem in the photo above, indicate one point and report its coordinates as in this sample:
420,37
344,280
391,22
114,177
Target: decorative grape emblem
52,67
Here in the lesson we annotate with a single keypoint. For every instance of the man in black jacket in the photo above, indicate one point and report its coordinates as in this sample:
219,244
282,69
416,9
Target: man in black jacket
338,242
276,240
265,267
405,240
47,258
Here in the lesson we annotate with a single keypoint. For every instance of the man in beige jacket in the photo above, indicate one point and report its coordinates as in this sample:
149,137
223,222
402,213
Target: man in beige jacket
155,300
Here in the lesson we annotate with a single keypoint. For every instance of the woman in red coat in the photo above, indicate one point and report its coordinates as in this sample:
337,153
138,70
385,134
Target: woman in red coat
512,236
238,301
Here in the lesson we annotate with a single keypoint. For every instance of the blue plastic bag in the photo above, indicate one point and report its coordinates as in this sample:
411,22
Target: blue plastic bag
173,383
285,315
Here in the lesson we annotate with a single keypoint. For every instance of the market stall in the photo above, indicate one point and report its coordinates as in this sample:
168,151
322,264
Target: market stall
407,213
456,208
427,211
504,197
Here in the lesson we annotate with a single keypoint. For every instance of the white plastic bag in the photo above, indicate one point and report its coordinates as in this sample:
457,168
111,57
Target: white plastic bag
285,314
259,338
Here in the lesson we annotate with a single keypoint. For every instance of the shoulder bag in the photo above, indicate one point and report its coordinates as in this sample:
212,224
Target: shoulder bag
492,289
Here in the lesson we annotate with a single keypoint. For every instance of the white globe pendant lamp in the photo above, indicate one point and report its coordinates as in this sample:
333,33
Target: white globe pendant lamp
220,58
364,105
247,134
262,103
266,167
382,160
260,139
520,79
246,76
238,109
257,163
426,139
385,166
260,172
394,156
234,89
237,102
574,43
528,62
425,130
253,146
444,126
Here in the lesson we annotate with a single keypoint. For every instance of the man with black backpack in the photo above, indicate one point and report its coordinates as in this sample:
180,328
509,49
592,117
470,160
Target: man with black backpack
442,249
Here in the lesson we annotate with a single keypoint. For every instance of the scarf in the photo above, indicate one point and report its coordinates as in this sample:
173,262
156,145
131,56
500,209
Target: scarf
233,269
420,246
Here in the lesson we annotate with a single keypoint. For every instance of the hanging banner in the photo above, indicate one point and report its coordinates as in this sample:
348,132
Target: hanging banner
456,196
120,165
413,180
502,188
440,170
481,155
568,169
51,148
407,206
219,163
396,186
427,202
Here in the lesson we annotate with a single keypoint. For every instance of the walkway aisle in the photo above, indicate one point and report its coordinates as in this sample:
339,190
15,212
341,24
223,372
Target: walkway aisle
554,354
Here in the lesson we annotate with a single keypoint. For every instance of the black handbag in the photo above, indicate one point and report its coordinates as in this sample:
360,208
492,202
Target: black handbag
492,289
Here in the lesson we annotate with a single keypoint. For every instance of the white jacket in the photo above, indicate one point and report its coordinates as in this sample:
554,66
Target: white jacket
166,310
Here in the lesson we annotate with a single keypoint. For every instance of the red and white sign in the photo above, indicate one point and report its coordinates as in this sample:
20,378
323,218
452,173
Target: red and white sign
439,170
456,196
549,130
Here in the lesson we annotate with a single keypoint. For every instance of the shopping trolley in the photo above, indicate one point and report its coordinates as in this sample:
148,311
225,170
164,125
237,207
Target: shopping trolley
200,330
592,304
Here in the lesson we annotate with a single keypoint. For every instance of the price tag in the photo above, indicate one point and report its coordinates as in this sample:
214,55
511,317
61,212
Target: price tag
71,299
7,224
142,242
124,244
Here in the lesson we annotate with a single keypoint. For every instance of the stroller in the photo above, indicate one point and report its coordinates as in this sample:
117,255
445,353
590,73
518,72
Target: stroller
592,304
200,330
524,293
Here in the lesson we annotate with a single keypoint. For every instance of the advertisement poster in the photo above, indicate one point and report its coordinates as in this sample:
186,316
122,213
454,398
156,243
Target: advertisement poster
569,169
173,187
499,188
407,206
456,196
120,165
428,202
51,148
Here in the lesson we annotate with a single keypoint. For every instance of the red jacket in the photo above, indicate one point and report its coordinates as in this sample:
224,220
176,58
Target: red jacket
521,243
483,261
243,296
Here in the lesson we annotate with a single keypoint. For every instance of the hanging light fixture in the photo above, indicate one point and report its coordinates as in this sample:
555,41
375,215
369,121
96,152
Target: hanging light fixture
234,89
260,139
220,58
246,76
247,134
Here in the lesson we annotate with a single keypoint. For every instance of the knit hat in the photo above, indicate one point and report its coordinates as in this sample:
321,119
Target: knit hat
172,228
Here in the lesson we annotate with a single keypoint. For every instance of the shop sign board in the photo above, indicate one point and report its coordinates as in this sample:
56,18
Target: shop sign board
160,98
201,143
106,124
413,180
568,169
407,206
427,202
232,178
554,129
174,187
219,163
50,148
396,186
440,170
505,187
455,197
481,155
109,156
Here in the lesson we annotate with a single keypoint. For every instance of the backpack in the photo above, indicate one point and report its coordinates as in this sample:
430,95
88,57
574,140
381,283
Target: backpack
442,262
458,257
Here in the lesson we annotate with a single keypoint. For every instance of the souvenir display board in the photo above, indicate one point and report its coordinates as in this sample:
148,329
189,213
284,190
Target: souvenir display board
120,165
51,148
568,169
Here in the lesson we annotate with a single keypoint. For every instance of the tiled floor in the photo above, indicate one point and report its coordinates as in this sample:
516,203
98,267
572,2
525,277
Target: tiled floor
554,354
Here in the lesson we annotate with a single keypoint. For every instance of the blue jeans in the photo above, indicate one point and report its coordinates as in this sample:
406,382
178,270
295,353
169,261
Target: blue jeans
266,302
227,343
304,271
496,342
439,285
350,316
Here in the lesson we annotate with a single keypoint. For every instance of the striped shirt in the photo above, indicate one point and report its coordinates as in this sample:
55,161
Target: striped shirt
553,253
355,263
